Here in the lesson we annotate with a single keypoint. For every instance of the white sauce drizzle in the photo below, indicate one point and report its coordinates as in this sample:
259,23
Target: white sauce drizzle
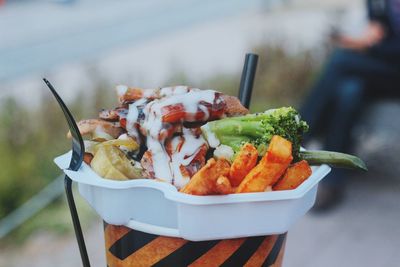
131,119
161,160
204,109
174,90
149,93
124,137
223,151
167,168
212,139
185,156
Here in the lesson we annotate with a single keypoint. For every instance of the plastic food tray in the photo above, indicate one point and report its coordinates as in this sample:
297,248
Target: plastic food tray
158,208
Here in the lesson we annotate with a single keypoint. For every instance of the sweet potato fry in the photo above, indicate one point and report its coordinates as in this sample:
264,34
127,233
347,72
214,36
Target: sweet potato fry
270,168
203,182
245,160
278,150
87,158
223,186
295,175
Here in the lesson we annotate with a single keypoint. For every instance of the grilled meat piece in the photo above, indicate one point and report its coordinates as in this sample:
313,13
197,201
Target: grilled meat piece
90,125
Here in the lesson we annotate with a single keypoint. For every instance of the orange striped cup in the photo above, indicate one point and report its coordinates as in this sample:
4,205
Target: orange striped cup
128,247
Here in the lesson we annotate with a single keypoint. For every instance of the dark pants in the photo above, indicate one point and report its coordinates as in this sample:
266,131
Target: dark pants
349,79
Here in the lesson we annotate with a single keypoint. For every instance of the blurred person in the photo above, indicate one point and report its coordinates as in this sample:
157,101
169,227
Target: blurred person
359,69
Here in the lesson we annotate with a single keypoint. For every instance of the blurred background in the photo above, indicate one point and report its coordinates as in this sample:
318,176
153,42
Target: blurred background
86,47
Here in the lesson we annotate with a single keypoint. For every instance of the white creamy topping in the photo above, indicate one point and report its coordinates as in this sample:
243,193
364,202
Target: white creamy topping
174,90
167,168
161,160
184,148
140,102
204,109
149,92
131,119
189,100
166,91
124,137
225,152
212,139
121,90
185,156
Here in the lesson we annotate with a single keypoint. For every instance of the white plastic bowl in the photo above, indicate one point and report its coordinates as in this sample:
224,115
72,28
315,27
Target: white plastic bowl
158,208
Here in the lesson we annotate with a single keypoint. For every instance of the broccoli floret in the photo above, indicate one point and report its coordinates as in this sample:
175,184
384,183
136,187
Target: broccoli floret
257,129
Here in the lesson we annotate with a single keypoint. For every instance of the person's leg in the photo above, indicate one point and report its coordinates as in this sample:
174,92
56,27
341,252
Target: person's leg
316,103
348,99
342,64
356,73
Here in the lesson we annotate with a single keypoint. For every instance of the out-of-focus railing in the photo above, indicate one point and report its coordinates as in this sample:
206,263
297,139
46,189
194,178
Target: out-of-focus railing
32,206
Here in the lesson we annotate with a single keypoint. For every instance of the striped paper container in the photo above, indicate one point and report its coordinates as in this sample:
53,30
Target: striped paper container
127,247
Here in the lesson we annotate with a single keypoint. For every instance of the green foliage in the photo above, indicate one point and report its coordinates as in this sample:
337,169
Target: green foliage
282,78
26,148
29,141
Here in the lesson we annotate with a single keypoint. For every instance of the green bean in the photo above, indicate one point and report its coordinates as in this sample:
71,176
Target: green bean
334,159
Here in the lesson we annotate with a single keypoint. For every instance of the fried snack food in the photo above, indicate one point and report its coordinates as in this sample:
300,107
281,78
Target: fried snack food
89,126
270,168
294,176
204,181
87,158
234,107
223,186
245,160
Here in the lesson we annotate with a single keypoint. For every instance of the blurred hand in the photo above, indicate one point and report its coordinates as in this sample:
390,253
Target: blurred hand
374,34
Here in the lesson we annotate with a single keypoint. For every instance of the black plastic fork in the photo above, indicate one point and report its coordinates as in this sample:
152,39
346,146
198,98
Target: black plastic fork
78,151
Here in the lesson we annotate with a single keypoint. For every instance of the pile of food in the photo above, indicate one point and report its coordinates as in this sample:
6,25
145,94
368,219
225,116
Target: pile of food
201,141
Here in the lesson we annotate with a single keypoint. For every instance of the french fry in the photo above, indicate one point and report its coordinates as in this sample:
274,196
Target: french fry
294,176
203,182
223,186
245,160
87,158
279,150
270,168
